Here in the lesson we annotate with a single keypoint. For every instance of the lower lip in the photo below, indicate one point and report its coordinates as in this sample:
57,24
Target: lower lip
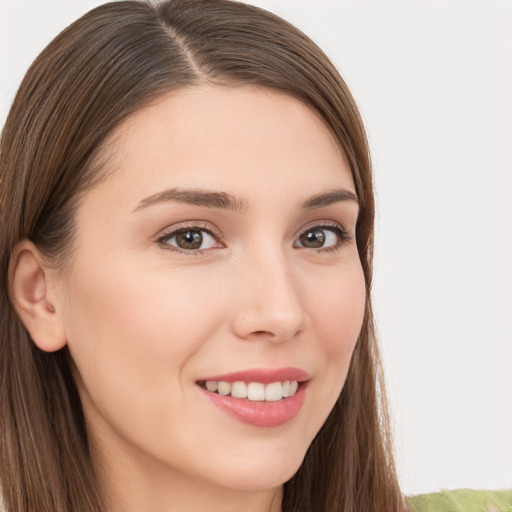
260,414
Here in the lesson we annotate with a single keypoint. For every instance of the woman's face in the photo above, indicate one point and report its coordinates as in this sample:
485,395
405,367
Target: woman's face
220,248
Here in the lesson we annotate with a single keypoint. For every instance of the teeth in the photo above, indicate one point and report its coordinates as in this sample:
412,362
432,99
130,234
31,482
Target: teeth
273,392
286,388
239,389
211,385
255,391
224,388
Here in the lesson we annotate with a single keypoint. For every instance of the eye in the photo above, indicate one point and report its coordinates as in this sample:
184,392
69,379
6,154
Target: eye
323,237
190,239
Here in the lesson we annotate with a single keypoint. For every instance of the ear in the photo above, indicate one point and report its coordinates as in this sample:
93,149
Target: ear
34,297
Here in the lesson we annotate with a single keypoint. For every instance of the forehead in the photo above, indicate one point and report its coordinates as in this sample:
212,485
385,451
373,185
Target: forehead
243,138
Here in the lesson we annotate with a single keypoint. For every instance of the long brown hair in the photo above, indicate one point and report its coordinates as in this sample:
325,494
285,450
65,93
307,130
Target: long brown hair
103,68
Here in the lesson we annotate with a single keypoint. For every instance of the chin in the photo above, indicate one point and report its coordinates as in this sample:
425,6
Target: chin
258,474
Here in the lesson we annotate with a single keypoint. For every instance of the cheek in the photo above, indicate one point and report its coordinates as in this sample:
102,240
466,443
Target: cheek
136,309
338,312
337,317
131,330
132,334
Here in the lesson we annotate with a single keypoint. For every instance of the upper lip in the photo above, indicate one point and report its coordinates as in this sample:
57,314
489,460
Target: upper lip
263,375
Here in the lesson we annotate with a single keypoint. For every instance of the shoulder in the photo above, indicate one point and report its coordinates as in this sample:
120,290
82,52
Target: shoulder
462,500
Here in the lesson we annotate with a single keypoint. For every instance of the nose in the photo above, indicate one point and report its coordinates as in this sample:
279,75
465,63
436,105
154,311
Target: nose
268,303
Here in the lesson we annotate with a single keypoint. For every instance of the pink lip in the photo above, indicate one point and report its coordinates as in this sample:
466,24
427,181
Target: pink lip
261,414
263,375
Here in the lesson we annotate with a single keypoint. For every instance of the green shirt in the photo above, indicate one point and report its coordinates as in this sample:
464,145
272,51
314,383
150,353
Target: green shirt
463,500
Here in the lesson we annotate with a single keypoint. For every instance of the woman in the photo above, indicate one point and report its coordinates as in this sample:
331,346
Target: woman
186,317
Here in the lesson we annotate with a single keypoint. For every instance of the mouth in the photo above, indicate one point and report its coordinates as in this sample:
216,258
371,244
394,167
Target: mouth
263,398
252,391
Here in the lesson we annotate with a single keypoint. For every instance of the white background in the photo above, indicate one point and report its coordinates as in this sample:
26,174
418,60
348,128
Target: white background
433,80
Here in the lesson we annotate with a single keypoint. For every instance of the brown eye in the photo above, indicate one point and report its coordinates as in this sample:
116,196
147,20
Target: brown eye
313,238
189,239
322,237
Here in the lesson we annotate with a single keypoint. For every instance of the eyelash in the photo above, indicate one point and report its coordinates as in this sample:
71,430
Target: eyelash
343,235
165,237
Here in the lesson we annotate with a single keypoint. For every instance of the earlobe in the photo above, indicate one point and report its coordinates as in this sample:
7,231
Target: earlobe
30,291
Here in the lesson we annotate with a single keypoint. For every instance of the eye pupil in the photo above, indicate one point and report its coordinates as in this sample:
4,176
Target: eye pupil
189,239
313,238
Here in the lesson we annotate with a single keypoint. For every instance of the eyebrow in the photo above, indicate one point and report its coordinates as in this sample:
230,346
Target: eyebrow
223,200
196,197
328,198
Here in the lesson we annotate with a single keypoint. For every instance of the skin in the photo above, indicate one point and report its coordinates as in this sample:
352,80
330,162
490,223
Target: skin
144,321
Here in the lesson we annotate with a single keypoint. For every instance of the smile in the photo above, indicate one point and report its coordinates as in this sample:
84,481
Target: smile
261,397
254,391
